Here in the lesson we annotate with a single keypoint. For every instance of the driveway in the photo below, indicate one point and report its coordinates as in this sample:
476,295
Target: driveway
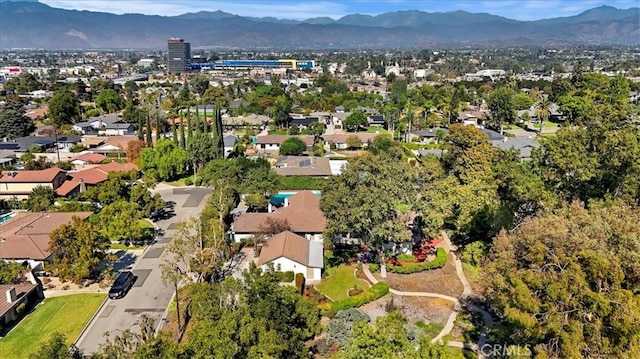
148,295
239,263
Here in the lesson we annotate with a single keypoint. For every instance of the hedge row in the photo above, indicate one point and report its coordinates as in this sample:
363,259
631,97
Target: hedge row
287,276
376,291
438,262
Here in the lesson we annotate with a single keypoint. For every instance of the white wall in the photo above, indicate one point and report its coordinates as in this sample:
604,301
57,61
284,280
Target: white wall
286,264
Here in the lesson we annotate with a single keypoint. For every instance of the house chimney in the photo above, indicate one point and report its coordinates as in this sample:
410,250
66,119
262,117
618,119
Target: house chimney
11,295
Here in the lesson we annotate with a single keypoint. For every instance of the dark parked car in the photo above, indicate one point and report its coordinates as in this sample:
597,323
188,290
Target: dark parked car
121,286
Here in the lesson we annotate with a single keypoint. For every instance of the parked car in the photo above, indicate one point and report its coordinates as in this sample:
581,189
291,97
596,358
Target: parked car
121,286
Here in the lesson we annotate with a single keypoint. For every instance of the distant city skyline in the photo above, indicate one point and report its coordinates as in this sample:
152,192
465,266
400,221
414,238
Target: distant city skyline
513,9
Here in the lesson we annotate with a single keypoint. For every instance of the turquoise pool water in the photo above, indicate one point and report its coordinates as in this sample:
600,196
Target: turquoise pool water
278,199
7,217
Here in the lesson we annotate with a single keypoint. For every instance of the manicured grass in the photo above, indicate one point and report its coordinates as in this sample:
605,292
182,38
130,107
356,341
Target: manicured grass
66,315
145,224
120,246
179,182
547,124
379,130
340,281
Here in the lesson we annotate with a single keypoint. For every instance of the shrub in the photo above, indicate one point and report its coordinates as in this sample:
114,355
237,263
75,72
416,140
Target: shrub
287,276
374,267
438,262
46,280
300,282
65,287
188,181
376,291
22,307
406,258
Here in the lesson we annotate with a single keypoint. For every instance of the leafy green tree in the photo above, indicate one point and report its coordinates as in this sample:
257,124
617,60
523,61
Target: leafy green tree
502,108
201,149
120,222
23,84
355,121
256,201
558,284
316,129
11,272
293,146
64,108
362,202
79,250
109,100
13,122
522,101
40,199
55,348
164,162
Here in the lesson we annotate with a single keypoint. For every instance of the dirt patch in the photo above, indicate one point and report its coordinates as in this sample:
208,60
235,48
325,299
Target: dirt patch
415,309
55,284
442,280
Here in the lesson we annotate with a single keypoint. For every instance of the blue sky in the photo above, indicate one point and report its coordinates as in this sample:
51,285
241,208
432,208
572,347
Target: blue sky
303,9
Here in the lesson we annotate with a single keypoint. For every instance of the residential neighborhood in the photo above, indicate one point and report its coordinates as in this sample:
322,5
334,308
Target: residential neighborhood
191,201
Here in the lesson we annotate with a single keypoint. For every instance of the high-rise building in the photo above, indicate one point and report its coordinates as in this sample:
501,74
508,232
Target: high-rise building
179,55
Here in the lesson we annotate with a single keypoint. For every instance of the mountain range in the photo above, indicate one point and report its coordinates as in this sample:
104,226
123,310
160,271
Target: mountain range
35,25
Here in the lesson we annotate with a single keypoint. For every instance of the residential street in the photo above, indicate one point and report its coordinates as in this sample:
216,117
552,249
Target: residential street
149,295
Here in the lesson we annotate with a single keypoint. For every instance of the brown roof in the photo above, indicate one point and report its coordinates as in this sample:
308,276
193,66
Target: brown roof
342,138
278,139
67,187
303,166
285,244
26,236
22,290
38,176
100,174
119,141
303,214
90,158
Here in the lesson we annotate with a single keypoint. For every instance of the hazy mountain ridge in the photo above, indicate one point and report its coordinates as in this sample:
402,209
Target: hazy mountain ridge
35,25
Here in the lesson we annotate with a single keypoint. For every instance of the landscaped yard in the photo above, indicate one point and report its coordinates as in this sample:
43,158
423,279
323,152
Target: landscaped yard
180,182
340,280
66,315
372,129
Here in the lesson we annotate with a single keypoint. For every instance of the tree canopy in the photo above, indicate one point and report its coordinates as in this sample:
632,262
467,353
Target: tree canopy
64,108
13,122
293,146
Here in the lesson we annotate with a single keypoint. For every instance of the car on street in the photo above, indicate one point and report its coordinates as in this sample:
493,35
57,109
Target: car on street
121,286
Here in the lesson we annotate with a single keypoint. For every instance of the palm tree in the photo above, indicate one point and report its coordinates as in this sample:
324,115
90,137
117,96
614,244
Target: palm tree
543,110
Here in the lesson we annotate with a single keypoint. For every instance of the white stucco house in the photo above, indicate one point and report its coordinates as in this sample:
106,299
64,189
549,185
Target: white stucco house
288,251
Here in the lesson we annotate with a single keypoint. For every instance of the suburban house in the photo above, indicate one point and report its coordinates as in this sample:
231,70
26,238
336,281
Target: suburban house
271,143
301,121
523,145
340,139
20,184
26,236
429,135
12,296
24,144
88,158
115,145
301,211
288,251
116,129
93,124
376,120
303,166
475,118
77,182
229,143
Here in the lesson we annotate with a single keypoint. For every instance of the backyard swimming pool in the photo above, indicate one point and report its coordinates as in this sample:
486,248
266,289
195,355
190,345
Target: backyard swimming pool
278,199
7,217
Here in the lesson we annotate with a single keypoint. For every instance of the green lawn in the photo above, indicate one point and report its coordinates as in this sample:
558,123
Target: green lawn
340,280
66,315
374,130
179,182
547,124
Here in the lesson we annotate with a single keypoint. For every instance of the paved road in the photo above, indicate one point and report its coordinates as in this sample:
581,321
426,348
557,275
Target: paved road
149,295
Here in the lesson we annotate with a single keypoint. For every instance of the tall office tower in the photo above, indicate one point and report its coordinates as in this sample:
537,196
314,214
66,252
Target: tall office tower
179,55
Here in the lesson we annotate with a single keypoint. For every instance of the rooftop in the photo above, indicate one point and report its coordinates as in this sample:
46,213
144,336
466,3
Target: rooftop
294,247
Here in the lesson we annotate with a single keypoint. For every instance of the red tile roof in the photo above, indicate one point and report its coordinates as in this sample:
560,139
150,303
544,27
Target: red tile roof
39,176
26,236
90,158
303,215
342,138
100,174
67,187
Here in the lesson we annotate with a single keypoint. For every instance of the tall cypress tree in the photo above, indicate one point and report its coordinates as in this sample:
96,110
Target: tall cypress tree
148,132
183,142
157,124
174,131
140,128
205,123
189,127
219,135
